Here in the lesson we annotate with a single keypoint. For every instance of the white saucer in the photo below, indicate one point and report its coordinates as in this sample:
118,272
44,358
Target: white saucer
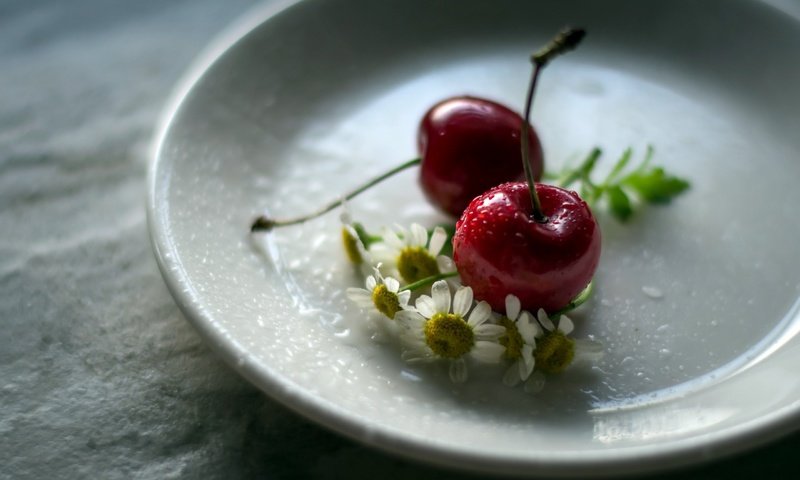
297,104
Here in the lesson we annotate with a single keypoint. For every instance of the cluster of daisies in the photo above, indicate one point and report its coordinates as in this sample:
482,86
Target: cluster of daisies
449,325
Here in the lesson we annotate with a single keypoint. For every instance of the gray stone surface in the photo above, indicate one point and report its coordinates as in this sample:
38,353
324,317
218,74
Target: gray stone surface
100,376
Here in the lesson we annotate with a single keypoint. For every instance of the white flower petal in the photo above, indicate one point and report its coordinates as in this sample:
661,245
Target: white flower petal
419,236
426,306
440,292
458,370
415,356
480,314
404,297
391,270
565,325
371,283
412,360
538,331
360,296
377,270
438,237
384,255
512,307
535,383
487,352
393,240
354,235
527,328
528,361
511,377
380,249
445,264
381,335
488,331
410,319
588,351
413,337
462,301
391,284
413,345
545,320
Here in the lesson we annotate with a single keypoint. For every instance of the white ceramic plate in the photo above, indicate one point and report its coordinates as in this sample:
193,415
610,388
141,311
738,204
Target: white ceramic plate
301,102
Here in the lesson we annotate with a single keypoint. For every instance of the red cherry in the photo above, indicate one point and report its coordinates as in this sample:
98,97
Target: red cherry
500,249
469,145
466,145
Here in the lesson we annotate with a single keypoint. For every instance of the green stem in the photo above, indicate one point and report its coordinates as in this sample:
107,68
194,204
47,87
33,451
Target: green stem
576,302
366,238
429,280
586,166
264,223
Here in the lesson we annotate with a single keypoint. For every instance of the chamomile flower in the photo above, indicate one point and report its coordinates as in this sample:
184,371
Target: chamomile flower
412,254
437,332
382,295
519,341
356,252
555,350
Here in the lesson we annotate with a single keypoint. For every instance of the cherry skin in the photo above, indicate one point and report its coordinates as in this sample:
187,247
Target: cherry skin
500,249
469,145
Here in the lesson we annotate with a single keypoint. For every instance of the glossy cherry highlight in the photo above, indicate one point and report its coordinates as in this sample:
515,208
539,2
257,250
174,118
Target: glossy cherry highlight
500,249
469,145
538,242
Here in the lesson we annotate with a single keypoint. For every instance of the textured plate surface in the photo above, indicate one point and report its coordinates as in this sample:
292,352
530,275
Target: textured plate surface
298,104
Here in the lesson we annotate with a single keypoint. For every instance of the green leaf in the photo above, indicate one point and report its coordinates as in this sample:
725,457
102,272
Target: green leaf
588,164
582,171
655,185
619,203
619,166
549,176
366,238
586,193
650,184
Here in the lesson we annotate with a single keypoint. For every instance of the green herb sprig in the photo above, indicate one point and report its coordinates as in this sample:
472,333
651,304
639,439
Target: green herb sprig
623,192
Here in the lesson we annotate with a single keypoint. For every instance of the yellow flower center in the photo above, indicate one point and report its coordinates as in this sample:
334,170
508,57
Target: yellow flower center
554,352
448,335
350,243
512,339
415,263
385,301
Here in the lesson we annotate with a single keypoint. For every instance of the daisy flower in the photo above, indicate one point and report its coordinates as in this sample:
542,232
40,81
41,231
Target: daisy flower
355,249
436,331
519,341
555,350
412,254
382,295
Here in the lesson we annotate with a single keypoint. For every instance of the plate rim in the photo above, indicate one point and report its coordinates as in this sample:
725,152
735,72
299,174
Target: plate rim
631,459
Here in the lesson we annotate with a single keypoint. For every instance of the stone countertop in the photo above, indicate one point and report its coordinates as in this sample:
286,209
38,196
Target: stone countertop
100,375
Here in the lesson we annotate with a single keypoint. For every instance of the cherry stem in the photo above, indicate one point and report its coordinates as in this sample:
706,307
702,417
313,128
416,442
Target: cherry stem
565,41
429,280
264,223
